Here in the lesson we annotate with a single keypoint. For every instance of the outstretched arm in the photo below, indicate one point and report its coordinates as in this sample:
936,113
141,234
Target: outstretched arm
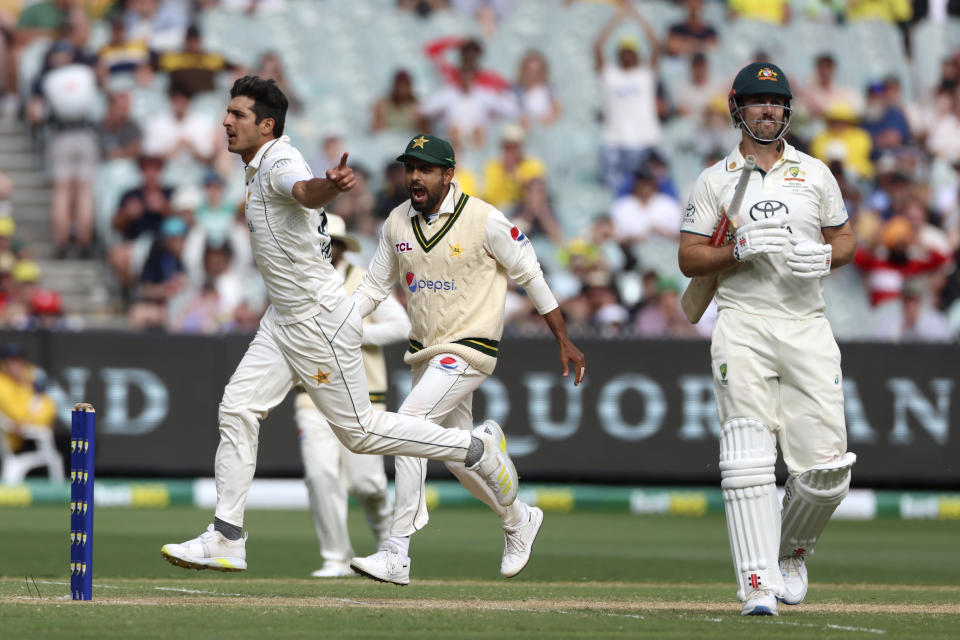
318,192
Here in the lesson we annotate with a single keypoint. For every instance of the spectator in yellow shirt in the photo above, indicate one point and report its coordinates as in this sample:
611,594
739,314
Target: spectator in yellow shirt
844,140
504,177
891,11
773,11
23,402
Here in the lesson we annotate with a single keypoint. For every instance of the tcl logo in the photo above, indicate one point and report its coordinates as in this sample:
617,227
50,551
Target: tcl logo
403,247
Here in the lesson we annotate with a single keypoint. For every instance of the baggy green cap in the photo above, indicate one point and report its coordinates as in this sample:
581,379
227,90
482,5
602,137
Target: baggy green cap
761,77
430,149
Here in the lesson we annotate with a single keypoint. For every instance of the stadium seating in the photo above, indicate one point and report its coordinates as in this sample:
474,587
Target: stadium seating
339,58
932,43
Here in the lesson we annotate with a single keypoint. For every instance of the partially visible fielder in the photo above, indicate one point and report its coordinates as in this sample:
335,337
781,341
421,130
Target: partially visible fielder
776,365
310,335
454,253
331,470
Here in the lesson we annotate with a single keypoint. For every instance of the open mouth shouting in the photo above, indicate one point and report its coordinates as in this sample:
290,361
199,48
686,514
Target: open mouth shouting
418,194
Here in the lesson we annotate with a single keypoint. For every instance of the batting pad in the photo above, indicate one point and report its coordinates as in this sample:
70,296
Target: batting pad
748,452
808,502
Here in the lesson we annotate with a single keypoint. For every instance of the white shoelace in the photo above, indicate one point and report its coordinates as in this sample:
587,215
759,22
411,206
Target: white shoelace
205,540
515,543
392,560
792,565
209,543
758,593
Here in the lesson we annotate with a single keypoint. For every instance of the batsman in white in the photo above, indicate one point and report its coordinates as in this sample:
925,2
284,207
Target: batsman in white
776,365
331,471
453,252
310,335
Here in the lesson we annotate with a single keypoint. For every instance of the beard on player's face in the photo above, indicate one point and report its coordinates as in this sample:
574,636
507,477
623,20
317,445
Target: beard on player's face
765,116
428,205
425,186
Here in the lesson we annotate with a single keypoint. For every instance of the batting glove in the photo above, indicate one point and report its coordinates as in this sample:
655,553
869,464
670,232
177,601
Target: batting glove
808,259
762,236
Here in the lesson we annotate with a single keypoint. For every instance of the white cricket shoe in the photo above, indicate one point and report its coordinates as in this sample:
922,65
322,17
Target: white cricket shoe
518,543
495,466
332,569
794,572
386,565
210,550
760,603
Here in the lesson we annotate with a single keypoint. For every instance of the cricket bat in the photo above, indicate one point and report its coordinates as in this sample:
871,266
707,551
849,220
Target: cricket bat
701,289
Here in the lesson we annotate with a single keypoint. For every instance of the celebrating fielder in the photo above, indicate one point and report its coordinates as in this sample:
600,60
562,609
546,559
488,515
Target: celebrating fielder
332,471
453,252
310,334
776,365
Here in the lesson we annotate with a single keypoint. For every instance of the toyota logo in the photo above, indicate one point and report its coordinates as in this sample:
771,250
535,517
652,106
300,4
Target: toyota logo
768,209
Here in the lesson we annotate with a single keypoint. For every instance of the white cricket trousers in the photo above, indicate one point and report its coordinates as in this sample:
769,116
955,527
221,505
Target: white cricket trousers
331,471
785,374
322,354
443,393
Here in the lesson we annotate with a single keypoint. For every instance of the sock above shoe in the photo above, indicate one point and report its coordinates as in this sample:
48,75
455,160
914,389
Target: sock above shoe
516,515
401,544
227,530
474,452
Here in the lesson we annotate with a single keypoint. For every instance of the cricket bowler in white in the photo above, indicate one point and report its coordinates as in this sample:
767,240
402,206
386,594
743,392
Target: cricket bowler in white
310,335
331,471
453,252
776,365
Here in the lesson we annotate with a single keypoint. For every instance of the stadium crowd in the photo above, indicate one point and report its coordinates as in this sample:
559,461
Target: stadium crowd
126,100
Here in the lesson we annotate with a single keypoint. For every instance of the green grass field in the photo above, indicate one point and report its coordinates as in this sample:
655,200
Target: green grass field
593,574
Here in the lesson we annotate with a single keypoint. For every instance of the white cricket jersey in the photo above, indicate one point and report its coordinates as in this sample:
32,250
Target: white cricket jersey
799,187
290,245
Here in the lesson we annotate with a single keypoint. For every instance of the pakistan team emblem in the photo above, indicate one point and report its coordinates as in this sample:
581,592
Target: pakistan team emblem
794,171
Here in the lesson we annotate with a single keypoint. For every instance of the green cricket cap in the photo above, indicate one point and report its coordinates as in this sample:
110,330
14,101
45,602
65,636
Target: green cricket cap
759,78
430,149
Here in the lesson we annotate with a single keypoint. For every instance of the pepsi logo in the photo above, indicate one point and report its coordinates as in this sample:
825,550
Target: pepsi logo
448,363
517,235
428,285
